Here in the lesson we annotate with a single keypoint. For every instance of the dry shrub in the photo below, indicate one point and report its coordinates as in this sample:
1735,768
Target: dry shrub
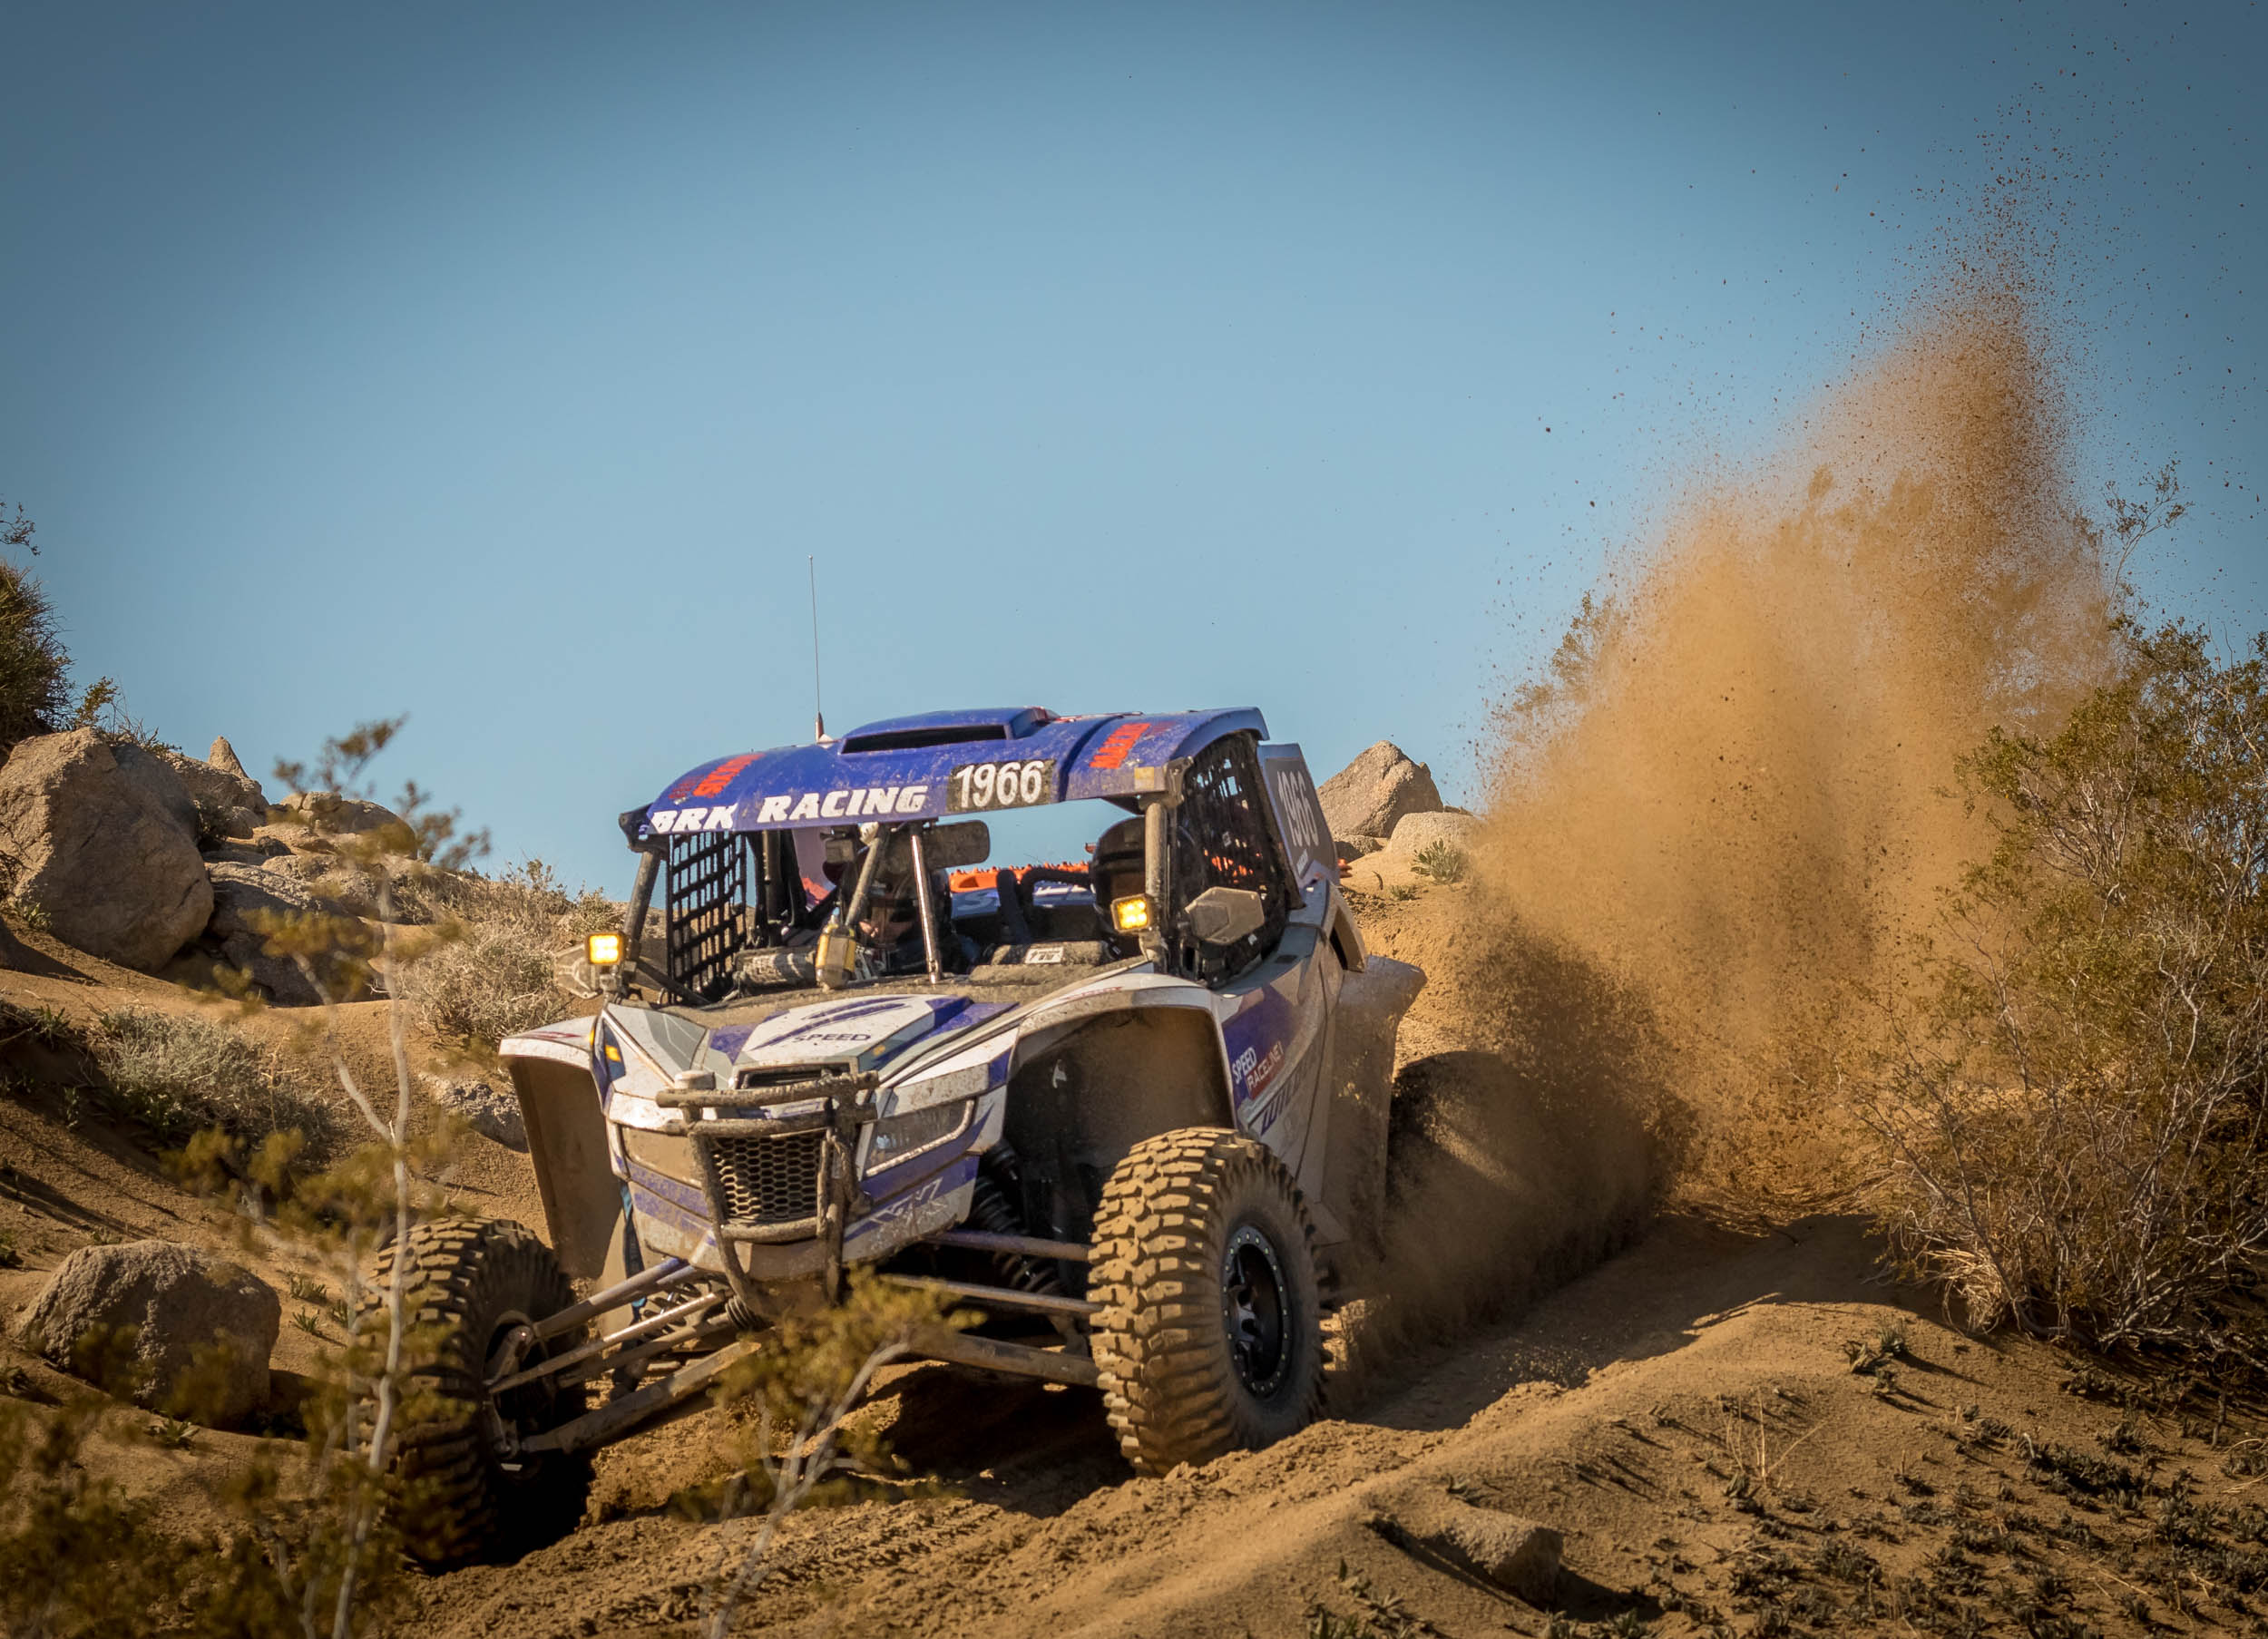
181,1073
2074,1110
500,973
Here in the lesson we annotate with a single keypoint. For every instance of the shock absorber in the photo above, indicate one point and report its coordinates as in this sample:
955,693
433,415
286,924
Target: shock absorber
989,1211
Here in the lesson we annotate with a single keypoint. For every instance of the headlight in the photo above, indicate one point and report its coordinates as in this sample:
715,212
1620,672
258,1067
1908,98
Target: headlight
604,949
897,1136
1131,915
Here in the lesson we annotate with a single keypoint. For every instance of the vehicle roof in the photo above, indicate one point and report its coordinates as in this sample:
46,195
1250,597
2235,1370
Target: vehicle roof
912,758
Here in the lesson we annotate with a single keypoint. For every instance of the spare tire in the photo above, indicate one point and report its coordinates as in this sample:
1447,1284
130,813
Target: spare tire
465,1491
1210,1335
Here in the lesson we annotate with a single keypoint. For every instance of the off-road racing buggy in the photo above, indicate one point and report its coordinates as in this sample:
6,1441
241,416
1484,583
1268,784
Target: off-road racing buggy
1133,1109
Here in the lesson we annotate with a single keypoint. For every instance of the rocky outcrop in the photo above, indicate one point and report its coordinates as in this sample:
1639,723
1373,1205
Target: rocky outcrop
1365,800
104,842
326,811
223,756
488,1112
166,1326
229,801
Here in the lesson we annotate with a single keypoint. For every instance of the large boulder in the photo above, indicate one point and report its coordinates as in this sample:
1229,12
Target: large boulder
153,772
106,844
229,801
1371,795
166,1326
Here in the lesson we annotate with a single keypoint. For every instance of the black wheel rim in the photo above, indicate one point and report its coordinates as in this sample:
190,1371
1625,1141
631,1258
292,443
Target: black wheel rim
1255,1310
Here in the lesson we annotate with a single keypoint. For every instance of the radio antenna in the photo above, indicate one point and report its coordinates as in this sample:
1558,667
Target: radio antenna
819,713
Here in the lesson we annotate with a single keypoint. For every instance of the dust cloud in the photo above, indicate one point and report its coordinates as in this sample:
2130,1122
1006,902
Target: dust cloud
1716,824
1731,799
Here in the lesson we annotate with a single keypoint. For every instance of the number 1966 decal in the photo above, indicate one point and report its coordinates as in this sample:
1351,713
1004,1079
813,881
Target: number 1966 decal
978,786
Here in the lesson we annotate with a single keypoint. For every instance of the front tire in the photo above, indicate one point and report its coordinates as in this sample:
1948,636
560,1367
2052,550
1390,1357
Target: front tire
1210,1335
465,1494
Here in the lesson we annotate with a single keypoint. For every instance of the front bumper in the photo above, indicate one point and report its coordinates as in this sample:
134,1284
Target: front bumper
767,1151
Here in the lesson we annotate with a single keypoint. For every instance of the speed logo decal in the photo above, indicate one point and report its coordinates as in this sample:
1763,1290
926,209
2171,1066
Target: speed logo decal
974,787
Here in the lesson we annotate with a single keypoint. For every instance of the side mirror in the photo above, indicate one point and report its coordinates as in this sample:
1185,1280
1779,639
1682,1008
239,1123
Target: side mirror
1225,916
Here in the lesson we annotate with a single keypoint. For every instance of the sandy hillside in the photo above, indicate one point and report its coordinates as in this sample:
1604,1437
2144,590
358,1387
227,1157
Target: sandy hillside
1686,1413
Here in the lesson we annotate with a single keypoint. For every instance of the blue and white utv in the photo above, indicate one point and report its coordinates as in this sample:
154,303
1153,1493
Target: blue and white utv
1133,1109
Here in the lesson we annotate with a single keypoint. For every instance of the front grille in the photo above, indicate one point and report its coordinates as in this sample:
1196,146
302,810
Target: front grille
770,1180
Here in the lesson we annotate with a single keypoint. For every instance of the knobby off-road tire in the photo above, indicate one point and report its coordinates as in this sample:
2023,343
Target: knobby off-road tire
462,1498
1210,1335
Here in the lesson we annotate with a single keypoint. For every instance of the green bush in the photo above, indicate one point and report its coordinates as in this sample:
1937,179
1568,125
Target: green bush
2074,1113
35,695
1442,861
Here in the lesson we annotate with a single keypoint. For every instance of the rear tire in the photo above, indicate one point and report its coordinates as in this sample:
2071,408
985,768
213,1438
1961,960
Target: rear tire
465,1495
1210,1335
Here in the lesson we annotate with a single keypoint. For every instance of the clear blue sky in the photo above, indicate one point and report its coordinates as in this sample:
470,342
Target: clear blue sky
500,366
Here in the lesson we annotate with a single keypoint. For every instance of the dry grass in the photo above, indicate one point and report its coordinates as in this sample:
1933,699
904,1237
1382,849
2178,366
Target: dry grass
181,1074
500,972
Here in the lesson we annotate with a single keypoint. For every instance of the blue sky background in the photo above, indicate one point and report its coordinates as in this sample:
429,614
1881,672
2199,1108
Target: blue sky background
500,368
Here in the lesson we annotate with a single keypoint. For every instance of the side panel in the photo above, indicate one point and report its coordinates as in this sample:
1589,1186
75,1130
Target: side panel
583,1198
1299,821
1359,1088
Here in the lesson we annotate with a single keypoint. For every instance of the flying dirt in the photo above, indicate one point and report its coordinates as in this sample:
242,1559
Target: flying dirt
1732,800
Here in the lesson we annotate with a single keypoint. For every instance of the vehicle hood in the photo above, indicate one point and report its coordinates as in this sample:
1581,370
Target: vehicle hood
865,1033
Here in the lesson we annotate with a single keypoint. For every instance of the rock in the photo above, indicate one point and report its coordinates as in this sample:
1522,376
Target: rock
1515,1554
328,812
103,846
1371,794
1417,831
244,850
240,892
488,1112
289,837
226,804
154,774
174,1328
223,756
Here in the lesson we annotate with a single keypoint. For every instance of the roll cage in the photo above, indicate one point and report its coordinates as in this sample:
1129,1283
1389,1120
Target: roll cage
741,902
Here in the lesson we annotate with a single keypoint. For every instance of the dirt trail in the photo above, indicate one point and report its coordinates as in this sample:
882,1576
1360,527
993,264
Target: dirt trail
1618,1411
